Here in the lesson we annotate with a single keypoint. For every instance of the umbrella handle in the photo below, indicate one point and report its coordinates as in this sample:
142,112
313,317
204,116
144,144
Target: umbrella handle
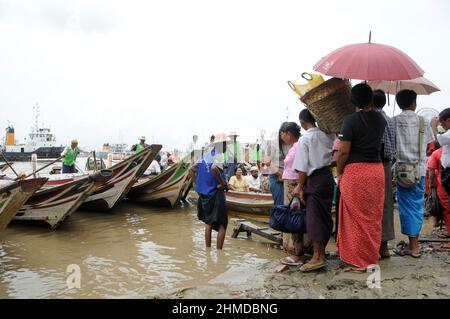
308,74
291,85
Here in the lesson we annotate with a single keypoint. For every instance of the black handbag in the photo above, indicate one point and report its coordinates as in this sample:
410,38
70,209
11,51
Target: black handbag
445,178
288,220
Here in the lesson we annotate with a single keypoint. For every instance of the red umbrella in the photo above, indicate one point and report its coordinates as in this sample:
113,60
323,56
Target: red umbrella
369,61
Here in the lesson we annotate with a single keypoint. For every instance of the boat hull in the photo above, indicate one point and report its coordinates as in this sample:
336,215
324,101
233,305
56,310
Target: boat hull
125,175
41,153
250,205
165,187
14,196
55,204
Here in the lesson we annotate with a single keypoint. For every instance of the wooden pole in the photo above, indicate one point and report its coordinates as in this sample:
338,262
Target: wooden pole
45,166
95,161
10,166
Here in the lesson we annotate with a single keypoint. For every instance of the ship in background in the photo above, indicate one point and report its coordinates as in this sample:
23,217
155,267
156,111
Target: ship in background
41,141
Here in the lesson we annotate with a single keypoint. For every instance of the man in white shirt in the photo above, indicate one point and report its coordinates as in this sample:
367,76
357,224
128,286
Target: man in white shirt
253,180
411,200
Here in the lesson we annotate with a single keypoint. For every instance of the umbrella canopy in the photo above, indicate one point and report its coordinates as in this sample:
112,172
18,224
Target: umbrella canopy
420,85
369,61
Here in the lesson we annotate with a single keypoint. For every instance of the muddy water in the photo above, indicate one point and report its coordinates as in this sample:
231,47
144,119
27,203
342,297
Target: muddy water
135,251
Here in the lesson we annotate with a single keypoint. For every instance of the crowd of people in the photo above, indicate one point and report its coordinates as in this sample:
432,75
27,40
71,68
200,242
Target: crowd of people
355,169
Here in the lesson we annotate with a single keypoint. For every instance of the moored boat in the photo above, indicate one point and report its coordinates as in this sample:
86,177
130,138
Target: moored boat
59,199
250,205
13,194
3,167
165,187
125,174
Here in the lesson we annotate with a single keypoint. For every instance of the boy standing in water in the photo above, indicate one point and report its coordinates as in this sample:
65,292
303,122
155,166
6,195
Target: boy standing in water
210,185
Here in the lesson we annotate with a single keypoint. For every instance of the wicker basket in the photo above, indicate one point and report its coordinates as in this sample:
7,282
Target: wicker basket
329,103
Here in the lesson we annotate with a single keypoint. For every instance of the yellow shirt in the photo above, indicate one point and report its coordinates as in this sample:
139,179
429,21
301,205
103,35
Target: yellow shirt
239,185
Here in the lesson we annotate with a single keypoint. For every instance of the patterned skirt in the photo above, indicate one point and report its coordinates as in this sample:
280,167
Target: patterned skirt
361,213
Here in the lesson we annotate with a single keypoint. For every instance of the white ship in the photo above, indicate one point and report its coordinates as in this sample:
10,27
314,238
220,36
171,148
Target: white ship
41,141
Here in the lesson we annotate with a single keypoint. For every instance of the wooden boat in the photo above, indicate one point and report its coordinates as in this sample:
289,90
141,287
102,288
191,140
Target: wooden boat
3,167
13,195
255,206
59,199
166,187
125,174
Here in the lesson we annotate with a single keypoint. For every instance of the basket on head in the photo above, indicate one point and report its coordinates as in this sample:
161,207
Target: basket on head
329,103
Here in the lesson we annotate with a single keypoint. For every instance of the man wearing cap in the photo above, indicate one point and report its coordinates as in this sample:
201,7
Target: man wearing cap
253,180
139,147
70,154
210,185
232,155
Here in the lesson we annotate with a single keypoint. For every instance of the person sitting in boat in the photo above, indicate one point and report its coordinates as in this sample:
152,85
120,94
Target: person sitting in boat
253,180
139,147
70,154
238,183
155,167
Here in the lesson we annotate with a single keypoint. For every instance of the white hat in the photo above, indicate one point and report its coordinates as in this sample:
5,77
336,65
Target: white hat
254,168
220,138
232,134
142,138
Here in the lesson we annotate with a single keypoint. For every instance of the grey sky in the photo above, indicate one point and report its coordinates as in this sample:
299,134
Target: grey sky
109,70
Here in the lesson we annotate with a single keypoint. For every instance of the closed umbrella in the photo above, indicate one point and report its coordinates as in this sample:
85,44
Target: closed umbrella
420,85
369,61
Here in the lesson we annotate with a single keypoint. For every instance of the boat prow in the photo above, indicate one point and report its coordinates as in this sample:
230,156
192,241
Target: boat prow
167,186
125,174
53,204
13,195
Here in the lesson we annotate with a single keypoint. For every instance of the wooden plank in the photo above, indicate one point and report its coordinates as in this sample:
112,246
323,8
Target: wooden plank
265,232
434,240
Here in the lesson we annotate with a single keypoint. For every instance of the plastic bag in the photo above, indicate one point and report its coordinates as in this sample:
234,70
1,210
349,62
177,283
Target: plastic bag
313,81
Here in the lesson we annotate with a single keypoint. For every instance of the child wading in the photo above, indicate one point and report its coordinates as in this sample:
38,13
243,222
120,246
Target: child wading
210,186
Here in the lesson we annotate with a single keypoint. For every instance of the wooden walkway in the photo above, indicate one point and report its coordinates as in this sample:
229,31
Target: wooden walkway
242,225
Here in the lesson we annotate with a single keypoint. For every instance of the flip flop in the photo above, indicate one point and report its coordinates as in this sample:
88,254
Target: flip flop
306,268
289,261
400,249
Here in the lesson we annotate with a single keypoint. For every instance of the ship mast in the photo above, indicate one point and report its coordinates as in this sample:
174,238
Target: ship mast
36,117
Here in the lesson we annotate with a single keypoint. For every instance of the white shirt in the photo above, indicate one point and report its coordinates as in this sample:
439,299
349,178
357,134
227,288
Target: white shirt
193,146
154,167
407,131
313,151
253,182
444,141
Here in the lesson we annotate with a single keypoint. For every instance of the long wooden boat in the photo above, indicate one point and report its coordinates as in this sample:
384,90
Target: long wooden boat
249,205
165,187
124,176
59,199
13,195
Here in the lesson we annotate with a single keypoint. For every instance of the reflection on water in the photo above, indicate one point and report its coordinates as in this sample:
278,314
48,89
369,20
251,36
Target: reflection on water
135,251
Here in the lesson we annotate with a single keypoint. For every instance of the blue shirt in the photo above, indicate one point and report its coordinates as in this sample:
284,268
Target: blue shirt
206,183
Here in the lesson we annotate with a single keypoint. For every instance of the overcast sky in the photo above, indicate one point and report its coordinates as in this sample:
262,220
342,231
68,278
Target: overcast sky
105,71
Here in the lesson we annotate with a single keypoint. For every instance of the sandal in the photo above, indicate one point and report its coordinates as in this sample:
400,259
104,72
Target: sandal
400,249
308,267
290,261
